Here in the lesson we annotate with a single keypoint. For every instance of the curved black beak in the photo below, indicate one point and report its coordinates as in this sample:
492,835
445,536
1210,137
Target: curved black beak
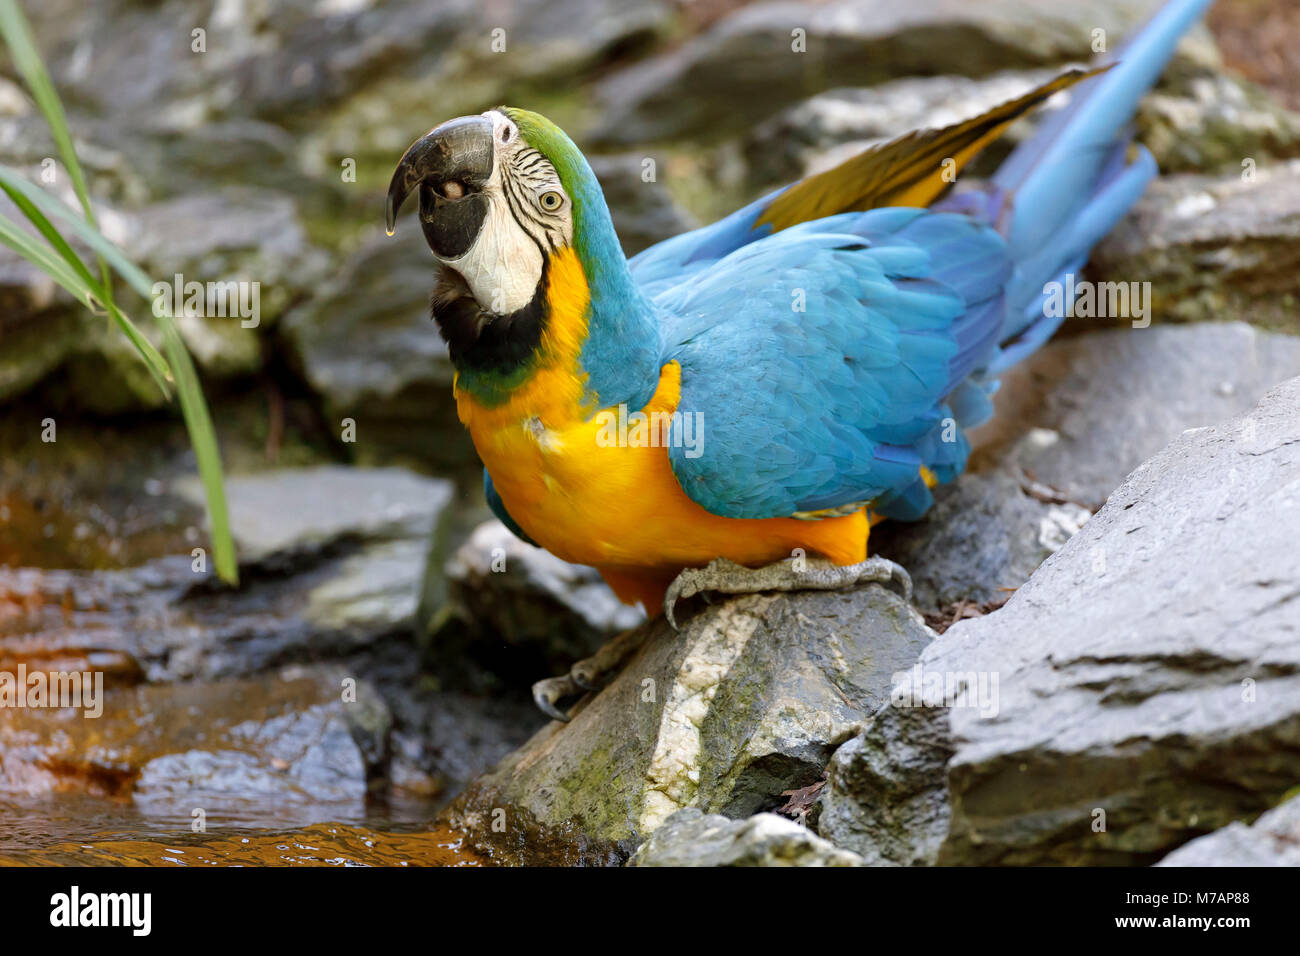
449,164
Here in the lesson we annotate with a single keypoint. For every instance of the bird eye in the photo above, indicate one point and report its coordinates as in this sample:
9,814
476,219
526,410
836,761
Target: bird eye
551,201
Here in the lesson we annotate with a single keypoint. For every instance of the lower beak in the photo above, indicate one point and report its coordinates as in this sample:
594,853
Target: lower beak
450,165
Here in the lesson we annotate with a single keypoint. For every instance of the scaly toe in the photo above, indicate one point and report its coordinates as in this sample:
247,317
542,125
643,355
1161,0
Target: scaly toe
549,692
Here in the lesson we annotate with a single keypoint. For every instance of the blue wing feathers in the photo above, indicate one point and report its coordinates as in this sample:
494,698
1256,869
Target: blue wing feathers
831,360
819,358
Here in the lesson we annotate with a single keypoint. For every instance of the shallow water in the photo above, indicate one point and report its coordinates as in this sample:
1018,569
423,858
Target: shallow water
81,830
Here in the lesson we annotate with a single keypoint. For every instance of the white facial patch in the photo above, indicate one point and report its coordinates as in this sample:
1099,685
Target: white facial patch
504,265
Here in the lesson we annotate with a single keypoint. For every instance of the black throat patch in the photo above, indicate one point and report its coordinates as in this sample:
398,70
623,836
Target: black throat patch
485,344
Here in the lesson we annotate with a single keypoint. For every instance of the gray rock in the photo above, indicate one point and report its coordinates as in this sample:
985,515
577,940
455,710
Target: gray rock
1086,410
1132,695
535,613
826,129
1214,247
294,511
287,60
747,60
367,346
643,210
690,838
460,68
748,701
1213,120
1201,123
1272,840
248,236
1071,422
982,539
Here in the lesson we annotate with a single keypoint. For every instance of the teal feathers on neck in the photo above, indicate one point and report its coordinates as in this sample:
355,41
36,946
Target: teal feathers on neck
622,351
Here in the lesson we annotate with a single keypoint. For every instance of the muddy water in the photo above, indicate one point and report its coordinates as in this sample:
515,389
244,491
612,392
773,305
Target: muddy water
225,701
77,829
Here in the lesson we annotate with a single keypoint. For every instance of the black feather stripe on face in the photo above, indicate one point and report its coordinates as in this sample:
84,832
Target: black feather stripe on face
482,342
522,174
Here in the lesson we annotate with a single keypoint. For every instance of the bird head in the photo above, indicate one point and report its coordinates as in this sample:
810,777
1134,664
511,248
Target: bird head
499,194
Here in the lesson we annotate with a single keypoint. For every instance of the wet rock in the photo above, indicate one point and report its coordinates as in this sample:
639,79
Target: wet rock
748,60
277,748
1133,695
747,701
1272,840
691,838
1071,423
519,612
333,561
1214,247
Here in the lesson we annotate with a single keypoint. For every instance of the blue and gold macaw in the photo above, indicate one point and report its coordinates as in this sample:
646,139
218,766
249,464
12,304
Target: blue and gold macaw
774,383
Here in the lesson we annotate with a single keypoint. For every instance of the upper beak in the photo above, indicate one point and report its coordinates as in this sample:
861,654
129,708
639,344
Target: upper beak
450,164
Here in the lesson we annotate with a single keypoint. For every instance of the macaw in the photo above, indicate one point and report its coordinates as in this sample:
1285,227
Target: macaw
770,385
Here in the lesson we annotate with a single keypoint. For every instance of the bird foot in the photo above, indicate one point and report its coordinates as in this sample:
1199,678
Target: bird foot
587,675
801,574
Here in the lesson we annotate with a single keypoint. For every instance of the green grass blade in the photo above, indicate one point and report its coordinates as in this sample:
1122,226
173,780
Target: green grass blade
27,60
56,208
206,452
61,263
76,278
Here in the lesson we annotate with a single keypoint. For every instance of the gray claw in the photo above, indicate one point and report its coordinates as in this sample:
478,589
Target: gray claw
549,692
899,575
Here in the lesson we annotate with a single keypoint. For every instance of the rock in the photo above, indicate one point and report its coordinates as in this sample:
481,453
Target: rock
290,512
284,744
334,558
1086,410
518,611
643,211
367,346
828,128
1214,247
748,701
690,838
749,60
1071,422
982,539
1212,122
1272,840
1131,696
484,57
1206,122
249,237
